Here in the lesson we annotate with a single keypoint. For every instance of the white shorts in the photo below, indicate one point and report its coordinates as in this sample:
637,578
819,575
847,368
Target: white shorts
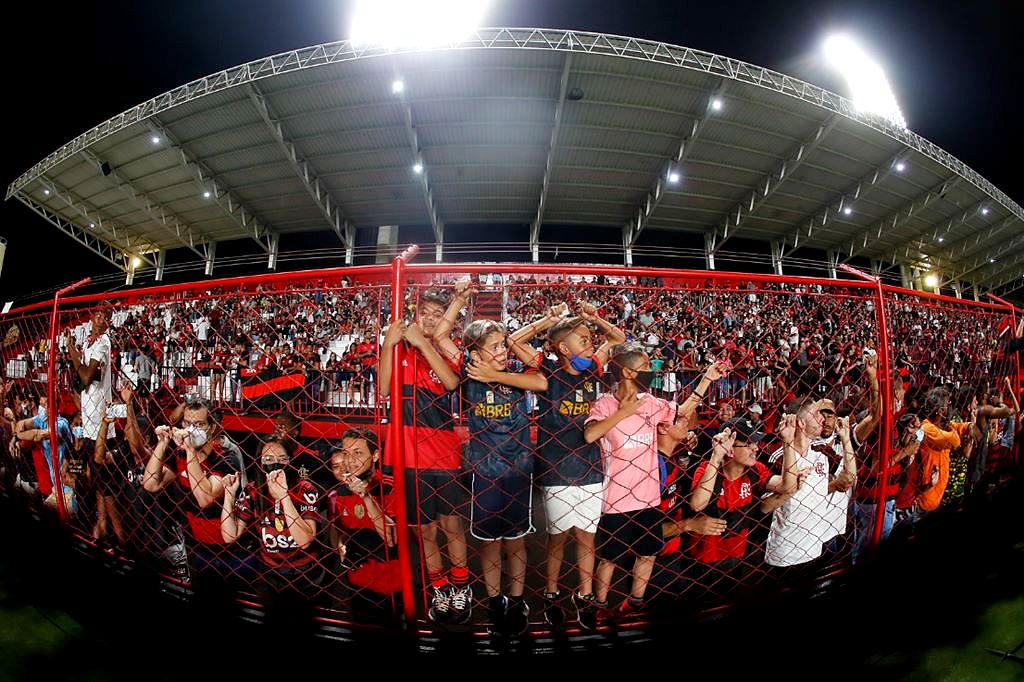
572,506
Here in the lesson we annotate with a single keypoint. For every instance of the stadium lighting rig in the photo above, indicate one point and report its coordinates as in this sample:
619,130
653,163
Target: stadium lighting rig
415,23
869,88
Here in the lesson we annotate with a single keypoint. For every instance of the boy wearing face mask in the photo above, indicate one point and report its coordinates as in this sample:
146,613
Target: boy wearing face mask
568,468
626,424
284,517
199,467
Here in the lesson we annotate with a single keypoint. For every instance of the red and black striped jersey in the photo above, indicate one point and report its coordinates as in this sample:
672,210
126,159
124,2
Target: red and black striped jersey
278,549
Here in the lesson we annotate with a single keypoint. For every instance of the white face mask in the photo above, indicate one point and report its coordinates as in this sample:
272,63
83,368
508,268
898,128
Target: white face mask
198,436
41,412
78,431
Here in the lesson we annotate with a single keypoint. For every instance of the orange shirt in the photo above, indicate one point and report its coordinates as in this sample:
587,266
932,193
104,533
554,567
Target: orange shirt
934,453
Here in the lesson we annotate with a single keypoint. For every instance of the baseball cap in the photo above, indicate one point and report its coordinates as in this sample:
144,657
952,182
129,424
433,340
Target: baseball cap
756,409
745,429
826,405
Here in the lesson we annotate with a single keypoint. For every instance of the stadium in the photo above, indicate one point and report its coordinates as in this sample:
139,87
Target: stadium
806,303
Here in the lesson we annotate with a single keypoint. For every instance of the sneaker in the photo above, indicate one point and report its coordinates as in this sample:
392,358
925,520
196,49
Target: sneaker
629,609
554,614
460,602
440,606
497,609
586,611
517,617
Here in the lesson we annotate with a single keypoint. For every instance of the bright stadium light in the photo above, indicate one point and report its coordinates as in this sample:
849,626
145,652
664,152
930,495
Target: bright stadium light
716,104
206,195
415,23
136,262
942,239
847,211
673,177
868,85
900,166
984,211
155,139
92,225
931,281
398,86
418,168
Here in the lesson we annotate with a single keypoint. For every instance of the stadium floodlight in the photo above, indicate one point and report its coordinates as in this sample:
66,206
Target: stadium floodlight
942,239
716,104
931,281
46,192
136,262
900,166
984,210
673,177
868,85
155,139
418,168
415,23
397,86
206,194
92,225
847,211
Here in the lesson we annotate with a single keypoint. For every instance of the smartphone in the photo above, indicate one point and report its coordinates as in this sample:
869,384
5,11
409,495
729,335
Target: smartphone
119,411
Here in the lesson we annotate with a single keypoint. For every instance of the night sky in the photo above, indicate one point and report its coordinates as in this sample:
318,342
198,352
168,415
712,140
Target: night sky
956,71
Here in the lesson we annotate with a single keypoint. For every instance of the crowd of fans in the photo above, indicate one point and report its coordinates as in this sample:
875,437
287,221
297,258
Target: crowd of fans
636,408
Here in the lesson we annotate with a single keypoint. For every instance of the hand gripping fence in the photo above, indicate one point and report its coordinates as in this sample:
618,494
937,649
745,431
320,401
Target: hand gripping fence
504,448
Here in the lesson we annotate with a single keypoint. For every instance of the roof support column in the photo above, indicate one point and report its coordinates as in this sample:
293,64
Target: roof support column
350,244
906,276
977,295
439,248
387,243
777,257
709,250
161,263
272,251
129,275
627,244
211,257
957,290
833,260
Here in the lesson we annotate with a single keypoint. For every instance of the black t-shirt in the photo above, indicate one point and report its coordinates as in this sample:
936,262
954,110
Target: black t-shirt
564,457
499,429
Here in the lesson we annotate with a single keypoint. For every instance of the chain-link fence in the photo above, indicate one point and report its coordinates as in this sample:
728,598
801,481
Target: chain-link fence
575,447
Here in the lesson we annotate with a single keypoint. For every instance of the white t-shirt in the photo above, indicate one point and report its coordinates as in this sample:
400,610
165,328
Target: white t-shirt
838,501
98,394
801,525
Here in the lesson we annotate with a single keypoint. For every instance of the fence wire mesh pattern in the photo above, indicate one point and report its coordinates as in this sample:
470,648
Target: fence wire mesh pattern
572,451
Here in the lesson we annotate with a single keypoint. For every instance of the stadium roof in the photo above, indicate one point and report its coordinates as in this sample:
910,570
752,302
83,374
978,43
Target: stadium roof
522,126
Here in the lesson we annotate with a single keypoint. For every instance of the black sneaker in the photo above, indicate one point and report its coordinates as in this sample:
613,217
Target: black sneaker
460,603
440,606
497,610
517,618
586,610
554,614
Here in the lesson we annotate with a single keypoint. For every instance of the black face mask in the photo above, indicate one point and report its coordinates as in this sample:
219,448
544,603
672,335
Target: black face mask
644,378
272,467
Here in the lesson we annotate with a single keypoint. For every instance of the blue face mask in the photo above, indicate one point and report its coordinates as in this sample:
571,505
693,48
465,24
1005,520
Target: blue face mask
581,364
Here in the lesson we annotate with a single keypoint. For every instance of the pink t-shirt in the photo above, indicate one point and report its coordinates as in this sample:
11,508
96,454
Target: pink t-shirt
630,453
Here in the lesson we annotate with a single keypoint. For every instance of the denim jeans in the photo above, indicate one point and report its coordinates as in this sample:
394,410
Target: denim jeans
864,524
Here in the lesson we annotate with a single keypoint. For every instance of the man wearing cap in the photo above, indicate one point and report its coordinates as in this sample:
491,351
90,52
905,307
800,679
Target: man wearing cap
842,459
728,486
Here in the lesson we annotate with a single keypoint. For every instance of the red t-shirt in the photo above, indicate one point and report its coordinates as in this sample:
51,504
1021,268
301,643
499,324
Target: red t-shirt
429,433
735,502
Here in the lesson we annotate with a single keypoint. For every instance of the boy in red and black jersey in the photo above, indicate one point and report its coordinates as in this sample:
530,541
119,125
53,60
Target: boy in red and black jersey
359,511
433,453
728,488
285,518
865,502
